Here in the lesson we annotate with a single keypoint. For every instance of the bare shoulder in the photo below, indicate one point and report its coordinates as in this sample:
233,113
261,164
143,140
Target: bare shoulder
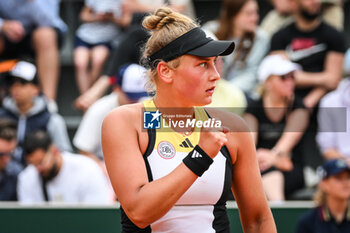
232,121
122,120
124,115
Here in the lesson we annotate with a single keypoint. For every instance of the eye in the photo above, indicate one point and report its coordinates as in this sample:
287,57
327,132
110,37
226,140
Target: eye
203,64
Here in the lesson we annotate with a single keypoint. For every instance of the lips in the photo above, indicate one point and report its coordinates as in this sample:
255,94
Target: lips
210,90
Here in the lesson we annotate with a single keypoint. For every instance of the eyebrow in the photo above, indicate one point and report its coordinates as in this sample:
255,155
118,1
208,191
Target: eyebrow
206,58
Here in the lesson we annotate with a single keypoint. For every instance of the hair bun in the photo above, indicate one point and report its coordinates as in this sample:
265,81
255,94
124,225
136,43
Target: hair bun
160,18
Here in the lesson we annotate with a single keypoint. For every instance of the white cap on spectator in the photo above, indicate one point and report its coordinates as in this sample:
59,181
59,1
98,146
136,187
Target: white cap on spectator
132,80
275,65
24,70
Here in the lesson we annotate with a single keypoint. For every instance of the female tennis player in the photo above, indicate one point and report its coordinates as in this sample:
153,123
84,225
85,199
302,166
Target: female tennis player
178,179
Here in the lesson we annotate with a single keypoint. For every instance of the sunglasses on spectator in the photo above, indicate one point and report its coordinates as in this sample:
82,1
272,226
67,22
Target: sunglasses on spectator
6,153
287,76
18,80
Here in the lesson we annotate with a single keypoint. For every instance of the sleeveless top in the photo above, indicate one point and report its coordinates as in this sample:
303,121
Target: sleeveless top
202,208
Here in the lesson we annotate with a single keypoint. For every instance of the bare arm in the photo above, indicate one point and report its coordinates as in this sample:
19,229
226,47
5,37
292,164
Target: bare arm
84,101
294,130
13,30
124,20
252,123
143,201
333,154
135,6
87,15
279,156
297,122
314,96
255,213
329,78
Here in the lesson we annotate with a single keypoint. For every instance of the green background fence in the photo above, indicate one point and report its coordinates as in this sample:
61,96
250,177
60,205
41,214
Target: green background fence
15,218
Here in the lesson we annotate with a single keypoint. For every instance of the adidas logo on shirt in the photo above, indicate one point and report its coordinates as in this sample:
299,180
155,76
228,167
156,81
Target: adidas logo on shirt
196,154
186,144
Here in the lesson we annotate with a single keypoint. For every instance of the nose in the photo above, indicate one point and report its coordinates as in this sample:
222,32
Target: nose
214,73
255,18
316,4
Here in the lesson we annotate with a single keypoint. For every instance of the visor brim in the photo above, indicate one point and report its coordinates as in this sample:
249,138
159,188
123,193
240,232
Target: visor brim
214,48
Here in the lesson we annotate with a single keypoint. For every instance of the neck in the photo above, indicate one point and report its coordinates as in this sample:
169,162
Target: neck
237,33
305,25
25,107
172,107
173,111
165,98
272,100
337,207
59,162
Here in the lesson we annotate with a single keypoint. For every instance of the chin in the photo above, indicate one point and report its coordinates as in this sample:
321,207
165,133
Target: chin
202,103
207,101
251,29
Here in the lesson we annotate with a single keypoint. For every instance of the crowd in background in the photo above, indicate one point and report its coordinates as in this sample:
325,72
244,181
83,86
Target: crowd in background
288,78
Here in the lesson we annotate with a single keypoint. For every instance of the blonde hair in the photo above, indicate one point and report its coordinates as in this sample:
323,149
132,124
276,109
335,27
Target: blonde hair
165,25
320,196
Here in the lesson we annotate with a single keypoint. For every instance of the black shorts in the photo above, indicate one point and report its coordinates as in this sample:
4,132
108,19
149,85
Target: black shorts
81,43
23,48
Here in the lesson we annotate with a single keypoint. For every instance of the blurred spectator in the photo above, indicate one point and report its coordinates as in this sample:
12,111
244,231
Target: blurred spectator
33,28
9,169
332,214
5,67
140,7
102,22
334,123
278,120
59,176
129,87
130,48
238,21
316,46
229,97
333,13
282,15
29,109
319,49
279,17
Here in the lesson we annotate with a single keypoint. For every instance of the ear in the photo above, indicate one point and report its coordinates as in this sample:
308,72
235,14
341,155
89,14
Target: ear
164,72
54,149
324,185
267,83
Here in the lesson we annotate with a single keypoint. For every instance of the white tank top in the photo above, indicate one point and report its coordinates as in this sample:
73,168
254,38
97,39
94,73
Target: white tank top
201,209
